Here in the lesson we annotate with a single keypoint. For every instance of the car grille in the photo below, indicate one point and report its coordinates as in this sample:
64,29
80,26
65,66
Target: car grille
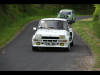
50,37
49,40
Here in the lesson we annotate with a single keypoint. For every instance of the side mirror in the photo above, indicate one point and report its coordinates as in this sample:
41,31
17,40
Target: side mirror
34,28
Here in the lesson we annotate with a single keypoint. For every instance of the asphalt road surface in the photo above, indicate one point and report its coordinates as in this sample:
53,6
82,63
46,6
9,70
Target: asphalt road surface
19,56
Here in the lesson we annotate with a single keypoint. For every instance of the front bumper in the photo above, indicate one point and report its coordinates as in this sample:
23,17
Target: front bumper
69,20
50,43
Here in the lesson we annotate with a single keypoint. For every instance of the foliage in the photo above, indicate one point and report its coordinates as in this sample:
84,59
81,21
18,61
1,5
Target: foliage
96,12
10,13
96,20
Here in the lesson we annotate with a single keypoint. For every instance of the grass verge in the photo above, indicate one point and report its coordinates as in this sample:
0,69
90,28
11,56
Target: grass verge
85,29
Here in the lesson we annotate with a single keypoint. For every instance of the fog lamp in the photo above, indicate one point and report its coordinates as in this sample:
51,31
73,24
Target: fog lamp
61,44
38,43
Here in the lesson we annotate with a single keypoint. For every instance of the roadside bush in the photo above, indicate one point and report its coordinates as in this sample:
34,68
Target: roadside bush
96,19
96,12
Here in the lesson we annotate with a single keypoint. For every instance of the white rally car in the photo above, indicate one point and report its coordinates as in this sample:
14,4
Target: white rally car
52,32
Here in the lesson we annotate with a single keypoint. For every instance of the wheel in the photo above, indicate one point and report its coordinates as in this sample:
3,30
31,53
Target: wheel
68,48
34,48
70,22
72,43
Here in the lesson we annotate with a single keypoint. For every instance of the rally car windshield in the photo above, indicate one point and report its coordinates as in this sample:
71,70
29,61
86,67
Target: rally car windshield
52,24
65,12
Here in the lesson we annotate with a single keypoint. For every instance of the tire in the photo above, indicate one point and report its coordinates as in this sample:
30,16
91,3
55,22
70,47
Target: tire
72,44
70,22
68,48
34,48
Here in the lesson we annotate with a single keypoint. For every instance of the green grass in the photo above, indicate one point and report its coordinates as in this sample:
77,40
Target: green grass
85,29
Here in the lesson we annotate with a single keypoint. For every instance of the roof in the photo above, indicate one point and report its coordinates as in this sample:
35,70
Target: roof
54,19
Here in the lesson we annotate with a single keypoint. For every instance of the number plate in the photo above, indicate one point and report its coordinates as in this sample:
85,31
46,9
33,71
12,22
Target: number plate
50,43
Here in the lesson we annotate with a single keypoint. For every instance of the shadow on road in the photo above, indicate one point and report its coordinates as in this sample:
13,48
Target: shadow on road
52,50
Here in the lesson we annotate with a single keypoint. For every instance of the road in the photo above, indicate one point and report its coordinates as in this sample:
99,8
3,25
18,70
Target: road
18,54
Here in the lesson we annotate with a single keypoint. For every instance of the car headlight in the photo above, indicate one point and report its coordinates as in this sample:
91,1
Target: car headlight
62,37
38,36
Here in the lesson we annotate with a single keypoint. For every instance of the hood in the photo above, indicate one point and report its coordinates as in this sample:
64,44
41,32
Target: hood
45,32
69,15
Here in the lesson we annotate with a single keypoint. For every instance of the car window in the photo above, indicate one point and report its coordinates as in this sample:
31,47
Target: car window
65,12
52,24
69,13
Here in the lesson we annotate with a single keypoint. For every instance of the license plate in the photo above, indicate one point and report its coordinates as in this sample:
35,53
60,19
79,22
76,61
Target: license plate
50,43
